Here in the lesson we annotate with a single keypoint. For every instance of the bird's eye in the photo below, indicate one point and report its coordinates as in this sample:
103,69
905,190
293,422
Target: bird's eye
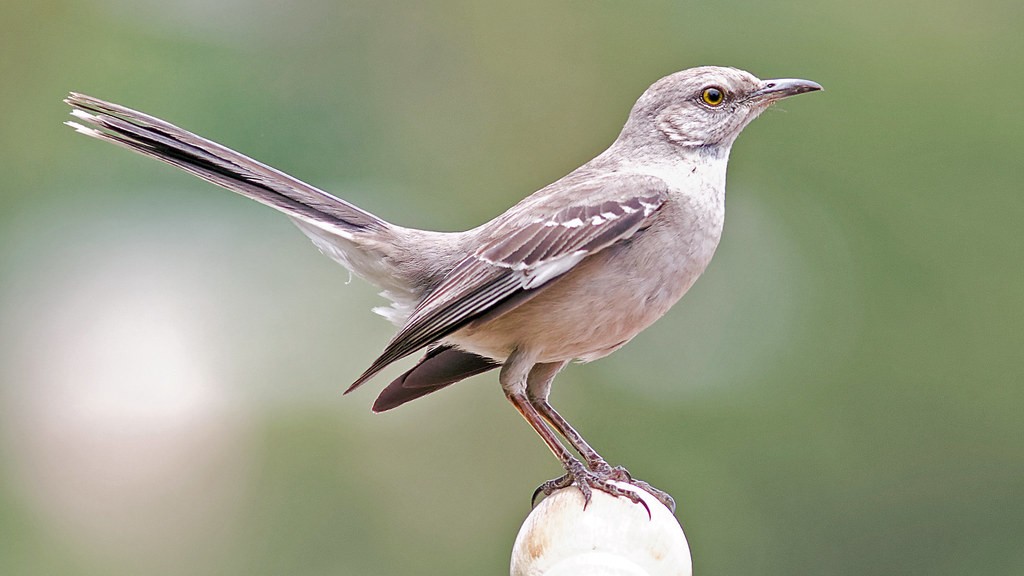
713,96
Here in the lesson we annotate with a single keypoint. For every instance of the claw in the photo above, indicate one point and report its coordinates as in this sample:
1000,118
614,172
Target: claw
622,475
533,499
587,481
648,508
659,495
548,488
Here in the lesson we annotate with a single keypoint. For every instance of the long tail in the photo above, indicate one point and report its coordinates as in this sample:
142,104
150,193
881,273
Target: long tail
389,256
220,165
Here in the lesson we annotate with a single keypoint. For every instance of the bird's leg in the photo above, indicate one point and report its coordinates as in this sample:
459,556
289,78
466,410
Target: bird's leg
538,387
513,380
575,472
594,461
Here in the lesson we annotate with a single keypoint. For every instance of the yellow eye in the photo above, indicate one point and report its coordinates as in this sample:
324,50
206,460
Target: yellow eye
712,96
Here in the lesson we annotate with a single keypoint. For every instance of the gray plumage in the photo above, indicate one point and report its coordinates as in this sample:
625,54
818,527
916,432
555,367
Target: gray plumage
572,272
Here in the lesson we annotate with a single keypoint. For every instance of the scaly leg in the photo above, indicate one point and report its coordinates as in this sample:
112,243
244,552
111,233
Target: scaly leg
513,380
539,385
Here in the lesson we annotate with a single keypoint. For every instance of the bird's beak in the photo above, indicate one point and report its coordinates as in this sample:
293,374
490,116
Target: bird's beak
771,90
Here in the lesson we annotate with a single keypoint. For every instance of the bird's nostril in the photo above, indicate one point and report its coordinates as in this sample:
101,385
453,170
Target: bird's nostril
770,85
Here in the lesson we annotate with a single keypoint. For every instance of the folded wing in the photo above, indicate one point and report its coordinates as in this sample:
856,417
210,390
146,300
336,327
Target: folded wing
523,252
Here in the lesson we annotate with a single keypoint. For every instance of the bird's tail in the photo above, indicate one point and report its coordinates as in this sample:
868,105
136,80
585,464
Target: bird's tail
217,164
370,247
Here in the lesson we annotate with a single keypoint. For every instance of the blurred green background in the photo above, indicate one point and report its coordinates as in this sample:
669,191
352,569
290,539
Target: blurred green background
841,393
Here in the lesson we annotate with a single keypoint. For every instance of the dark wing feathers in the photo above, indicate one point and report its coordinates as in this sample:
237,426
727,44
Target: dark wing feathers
440,367
436,322
523,253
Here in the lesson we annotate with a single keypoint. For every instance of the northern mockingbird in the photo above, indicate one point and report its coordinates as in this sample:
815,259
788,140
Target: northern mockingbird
572,272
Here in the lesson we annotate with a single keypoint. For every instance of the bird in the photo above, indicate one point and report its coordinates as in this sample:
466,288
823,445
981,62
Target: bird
572,272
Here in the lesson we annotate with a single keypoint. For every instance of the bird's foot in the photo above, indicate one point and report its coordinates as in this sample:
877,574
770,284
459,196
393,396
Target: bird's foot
587,481
620,474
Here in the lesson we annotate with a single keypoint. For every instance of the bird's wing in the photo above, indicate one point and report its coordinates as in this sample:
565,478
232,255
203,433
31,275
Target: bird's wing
523,251
442,366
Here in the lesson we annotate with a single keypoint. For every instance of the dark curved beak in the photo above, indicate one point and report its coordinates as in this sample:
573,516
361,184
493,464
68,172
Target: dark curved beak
772,90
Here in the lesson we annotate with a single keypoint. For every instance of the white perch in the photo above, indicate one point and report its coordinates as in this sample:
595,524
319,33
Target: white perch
612,537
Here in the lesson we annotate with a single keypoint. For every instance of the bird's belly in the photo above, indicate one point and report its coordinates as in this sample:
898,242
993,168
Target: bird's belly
594,309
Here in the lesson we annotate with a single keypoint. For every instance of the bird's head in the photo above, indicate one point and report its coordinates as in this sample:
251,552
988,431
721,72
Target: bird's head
706,107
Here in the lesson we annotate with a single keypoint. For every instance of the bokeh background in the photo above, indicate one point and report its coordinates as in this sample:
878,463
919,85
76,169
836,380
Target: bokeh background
841,393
